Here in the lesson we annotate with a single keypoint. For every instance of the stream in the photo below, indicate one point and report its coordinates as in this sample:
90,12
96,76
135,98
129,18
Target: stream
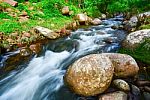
40,77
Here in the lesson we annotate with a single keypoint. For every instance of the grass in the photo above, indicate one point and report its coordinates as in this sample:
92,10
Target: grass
145,26
10,26
39,15
141,53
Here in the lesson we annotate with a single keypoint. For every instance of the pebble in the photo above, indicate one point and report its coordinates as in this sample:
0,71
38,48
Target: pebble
121,84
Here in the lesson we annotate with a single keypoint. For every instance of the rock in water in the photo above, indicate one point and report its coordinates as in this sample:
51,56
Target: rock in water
119,95
96,21
124,64
121,84
90,75
135,38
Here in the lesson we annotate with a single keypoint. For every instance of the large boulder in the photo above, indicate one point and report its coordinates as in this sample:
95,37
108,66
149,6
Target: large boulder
118,95
46,32
135,38
124,64
90,75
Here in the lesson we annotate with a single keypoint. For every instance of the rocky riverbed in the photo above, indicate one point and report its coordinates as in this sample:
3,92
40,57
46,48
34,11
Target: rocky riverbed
83,66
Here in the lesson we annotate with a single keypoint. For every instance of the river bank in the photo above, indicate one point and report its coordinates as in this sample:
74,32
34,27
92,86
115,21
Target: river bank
18,24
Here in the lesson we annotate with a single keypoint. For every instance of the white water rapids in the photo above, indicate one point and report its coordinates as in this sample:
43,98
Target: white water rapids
42,79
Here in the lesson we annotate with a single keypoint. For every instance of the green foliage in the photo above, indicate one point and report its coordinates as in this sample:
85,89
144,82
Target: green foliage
9,26
145,26
21,7
5,16
118,7
141,53
113,6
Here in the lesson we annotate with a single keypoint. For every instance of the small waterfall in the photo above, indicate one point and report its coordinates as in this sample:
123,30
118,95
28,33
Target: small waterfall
42,79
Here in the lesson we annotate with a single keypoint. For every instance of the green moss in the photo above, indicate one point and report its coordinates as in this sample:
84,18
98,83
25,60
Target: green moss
141,53
145,26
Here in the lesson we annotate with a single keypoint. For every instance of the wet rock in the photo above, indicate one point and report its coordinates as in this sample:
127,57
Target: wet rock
65,10
103,16
46,32
36,48
146,96
146,88
121,27
109,40
100,32
143,82
11,2
114,27
96,21
135,38
118,95
125,22
25,52
131,24
133,21
121,84
90,75
135,92
124,64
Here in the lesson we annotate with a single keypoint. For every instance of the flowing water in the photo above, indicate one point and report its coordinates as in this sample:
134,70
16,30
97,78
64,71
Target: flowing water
41,78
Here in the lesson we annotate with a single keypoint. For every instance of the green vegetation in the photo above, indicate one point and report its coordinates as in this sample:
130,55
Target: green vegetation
141,53
145,26
42,12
